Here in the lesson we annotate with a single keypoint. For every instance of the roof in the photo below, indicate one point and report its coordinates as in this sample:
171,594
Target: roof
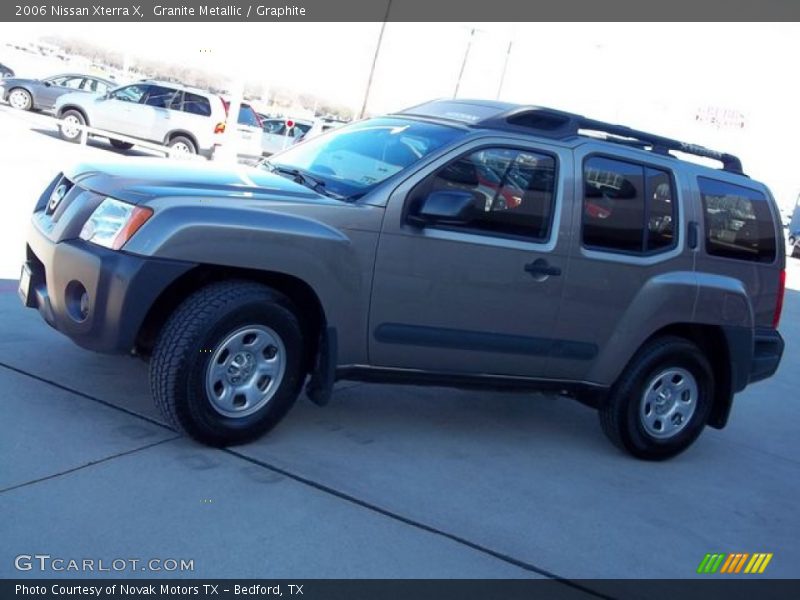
557,124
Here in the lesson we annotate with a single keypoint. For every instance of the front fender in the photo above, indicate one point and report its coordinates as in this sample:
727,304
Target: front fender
335,262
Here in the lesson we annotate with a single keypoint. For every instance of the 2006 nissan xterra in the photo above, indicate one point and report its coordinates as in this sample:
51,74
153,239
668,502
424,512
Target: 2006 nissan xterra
460,243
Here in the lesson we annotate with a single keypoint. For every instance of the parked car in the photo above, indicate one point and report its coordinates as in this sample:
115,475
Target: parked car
188,120
5,71
280,133
795,245
385,251
41,94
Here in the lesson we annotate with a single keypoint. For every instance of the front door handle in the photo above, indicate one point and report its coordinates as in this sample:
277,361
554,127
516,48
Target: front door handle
541,269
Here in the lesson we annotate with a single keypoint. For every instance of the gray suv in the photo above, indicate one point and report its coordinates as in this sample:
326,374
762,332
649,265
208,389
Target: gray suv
457,243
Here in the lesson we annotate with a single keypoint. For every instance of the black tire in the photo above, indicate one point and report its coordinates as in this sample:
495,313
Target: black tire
120,145
185,347
25,101
65,131
620,415
182,144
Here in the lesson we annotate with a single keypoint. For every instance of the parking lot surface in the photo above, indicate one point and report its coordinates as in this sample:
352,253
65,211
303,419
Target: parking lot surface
387,481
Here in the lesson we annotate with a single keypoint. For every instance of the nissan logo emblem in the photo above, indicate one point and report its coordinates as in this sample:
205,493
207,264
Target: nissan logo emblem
56,197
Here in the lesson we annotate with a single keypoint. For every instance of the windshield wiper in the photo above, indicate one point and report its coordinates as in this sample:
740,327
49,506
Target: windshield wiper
304,178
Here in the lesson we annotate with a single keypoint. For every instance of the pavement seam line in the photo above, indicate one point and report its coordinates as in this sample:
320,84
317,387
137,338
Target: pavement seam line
85,395
316,485
88,464
417,524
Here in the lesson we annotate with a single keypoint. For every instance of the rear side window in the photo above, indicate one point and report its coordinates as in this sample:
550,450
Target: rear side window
161,97
738,221
196,104
627,207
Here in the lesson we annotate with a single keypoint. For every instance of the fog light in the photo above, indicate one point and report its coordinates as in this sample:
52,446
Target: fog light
77,301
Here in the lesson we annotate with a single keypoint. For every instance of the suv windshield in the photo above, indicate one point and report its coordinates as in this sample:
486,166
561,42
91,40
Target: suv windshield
352,160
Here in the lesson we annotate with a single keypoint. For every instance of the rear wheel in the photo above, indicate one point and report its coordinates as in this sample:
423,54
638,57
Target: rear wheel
181,146
228,364
120,145
70,127
661,402
20,99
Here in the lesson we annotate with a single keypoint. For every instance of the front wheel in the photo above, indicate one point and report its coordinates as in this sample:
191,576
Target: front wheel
661,402
70,128
228,364
20,99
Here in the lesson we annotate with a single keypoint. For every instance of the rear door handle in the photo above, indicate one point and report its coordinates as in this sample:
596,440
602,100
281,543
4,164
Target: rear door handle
541,268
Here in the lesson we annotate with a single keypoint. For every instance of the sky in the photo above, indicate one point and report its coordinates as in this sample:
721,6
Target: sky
652,76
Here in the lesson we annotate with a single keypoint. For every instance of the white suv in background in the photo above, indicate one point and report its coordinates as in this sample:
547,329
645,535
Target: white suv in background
187,120
278,135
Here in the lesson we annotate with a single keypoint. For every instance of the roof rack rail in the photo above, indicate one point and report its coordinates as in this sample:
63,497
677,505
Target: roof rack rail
561,125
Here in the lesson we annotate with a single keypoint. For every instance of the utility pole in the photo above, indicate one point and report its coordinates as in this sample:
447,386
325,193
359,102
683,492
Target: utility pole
375,61
505,66
464,62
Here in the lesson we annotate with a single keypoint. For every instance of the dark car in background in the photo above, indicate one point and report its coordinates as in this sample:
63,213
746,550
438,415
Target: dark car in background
41,94
5,71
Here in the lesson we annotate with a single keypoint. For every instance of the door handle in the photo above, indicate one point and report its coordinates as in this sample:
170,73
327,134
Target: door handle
540,268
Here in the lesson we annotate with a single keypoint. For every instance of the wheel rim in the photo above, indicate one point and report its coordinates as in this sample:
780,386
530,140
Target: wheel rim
669,403
18,99
71,126
245,371
180,148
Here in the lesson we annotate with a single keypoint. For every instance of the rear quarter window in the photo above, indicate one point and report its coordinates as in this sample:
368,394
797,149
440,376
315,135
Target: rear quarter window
247,116
196,104
738,221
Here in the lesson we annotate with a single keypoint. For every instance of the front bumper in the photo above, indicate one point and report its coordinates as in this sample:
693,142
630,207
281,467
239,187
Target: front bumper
120,288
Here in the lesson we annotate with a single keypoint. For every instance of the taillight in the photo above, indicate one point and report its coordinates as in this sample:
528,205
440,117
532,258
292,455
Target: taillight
219,127
776,317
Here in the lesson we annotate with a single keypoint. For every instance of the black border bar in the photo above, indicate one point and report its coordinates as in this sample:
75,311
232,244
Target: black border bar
711,588
398,10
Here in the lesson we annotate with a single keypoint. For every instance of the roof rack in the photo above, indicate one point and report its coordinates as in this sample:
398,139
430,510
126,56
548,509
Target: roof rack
557,124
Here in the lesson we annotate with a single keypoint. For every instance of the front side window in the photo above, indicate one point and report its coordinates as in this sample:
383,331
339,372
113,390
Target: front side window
512,190
73,83
627,207
129,93
353,159
738,221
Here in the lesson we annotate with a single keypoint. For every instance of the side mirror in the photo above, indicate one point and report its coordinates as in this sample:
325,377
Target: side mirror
448,207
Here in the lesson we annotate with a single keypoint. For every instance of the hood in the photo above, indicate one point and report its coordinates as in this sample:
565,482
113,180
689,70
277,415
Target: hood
139,180
11,81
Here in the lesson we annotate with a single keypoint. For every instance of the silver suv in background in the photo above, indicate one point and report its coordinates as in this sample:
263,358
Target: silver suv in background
187,120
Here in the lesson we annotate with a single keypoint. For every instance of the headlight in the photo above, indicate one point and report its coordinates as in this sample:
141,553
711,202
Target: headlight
113,223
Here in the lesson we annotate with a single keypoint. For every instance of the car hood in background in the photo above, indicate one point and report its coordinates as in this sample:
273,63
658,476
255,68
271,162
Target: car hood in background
141,179
11,81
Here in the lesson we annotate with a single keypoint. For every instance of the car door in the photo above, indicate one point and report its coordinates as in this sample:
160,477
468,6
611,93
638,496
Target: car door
158,112
52,88
120,111
478,295
626,256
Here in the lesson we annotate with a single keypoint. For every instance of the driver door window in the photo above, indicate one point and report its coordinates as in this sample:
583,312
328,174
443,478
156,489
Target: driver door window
513,192
130,93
